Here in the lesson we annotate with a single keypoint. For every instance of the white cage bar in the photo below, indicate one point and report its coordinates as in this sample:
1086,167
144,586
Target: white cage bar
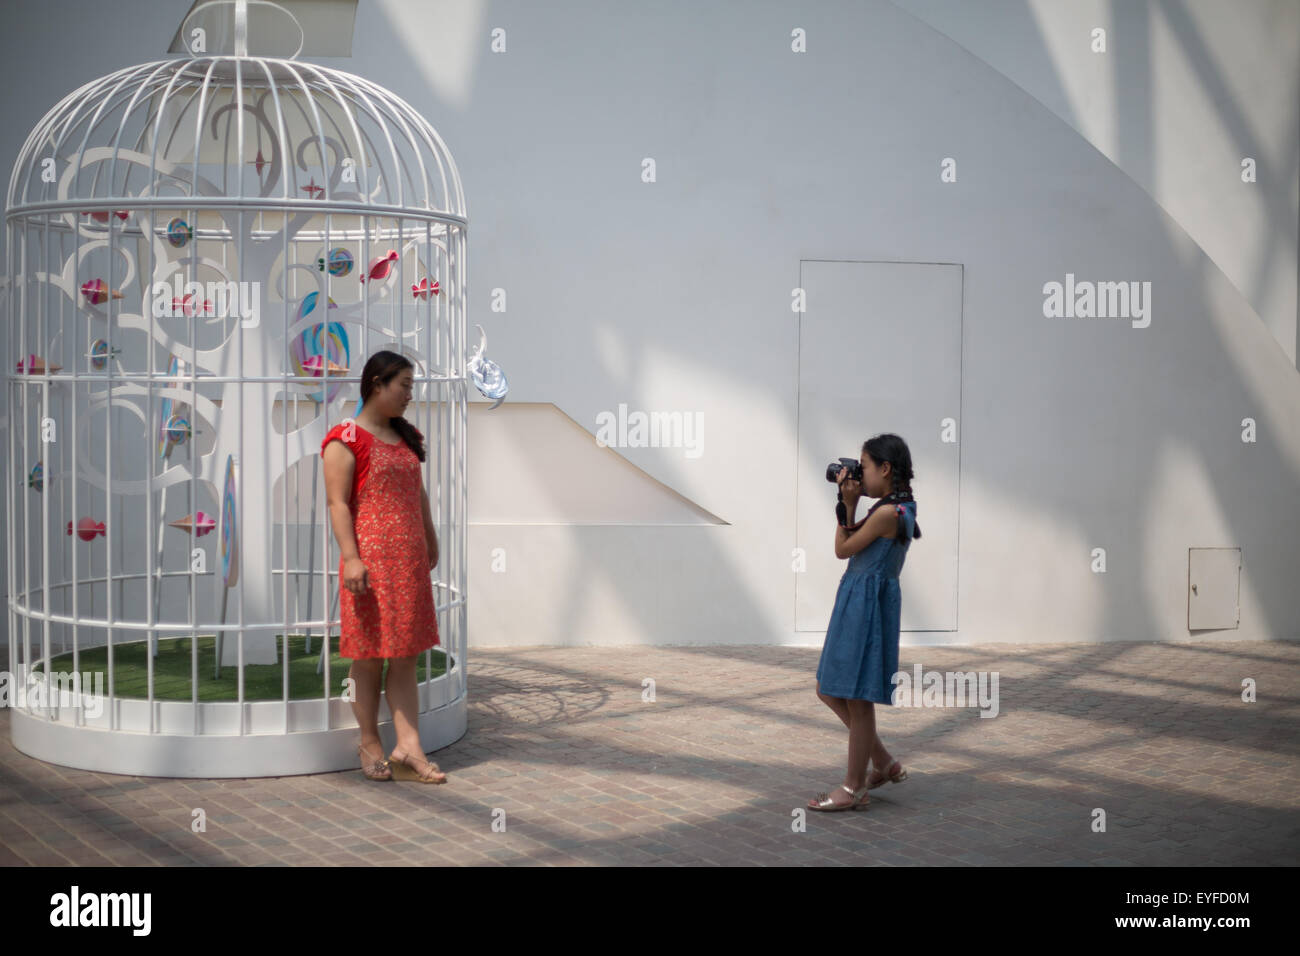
186,241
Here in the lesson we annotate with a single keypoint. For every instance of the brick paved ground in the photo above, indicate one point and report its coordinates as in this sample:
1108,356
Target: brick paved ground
587,773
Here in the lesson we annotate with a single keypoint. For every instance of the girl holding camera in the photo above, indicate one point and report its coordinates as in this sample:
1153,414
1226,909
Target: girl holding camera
860,655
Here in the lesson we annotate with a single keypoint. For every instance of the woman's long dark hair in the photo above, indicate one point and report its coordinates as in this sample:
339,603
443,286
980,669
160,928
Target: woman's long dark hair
381,368
891,448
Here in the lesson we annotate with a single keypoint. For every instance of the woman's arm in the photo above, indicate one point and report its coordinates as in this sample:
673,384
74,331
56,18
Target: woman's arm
340,464
430,535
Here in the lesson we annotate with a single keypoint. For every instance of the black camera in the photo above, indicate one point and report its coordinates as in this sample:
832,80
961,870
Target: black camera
852,464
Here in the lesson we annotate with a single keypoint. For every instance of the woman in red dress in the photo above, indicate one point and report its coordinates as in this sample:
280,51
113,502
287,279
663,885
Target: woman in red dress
380,513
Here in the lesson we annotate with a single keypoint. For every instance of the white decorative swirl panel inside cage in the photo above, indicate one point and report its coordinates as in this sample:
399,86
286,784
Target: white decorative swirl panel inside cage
202,253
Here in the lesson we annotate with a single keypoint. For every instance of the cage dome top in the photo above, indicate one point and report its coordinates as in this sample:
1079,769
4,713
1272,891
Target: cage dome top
230,130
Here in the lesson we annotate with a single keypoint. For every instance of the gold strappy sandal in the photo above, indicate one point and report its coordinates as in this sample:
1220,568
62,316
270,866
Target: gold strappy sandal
825,803
379,770
402,770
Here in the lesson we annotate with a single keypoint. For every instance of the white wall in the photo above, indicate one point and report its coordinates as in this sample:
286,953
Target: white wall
1073,434
1184,92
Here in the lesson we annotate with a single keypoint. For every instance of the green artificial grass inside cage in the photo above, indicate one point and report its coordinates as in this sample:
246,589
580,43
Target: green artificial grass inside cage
172,666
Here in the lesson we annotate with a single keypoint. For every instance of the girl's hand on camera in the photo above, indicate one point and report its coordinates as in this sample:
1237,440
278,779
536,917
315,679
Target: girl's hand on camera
850,489
354,575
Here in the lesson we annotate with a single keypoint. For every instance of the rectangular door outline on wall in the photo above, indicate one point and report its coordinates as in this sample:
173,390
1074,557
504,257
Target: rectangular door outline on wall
880,350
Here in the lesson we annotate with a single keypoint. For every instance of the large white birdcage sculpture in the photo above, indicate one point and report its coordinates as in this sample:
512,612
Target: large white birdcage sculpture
202,253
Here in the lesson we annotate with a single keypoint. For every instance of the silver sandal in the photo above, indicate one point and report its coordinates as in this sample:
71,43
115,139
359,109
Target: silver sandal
825,803
887,777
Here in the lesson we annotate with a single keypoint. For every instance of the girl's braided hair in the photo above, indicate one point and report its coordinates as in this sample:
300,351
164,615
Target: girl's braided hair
891,448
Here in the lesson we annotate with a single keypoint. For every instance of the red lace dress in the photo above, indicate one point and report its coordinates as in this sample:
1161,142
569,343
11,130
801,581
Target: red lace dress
395,617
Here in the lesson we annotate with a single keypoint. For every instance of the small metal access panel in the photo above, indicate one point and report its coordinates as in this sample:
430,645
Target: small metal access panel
1213,588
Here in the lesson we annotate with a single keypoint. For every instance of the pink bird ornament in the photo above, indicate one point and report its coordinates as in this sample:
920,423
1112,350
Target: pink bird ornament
380,266
199,523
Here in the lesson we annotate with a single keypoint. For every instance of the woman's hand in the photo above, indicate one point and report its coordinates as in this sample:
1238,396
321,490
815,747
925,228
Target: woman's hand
354,575
850,490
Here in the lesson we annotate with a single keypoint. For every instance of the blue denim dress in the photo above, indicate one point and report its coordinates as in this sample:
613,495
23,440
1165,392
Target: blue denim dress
860,655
